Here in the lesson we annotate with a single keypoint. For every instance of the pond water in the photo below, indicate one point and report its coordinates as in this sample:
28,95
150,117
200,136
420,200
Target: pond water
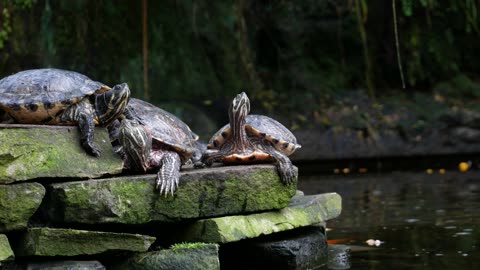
422,221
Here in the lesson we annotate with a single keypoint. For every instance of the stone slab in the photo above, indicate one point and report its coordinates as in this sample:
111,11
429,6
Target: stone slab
18,203
302,211
201,193
55,265
6,253
69,242
303,248
197,256
36,151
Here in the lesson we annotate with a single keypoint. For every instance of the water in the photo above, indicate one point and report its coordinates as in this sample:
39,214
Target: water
422,221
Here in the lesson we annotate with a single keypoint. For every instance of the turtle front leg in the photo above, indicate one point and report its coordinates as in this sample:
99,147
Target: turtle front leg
87,127
209,157
131,114
82,113
285,168
169,174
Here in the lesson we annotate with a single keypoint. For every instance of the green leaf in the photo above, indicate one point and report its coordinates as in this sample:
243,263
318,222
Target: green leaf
407,7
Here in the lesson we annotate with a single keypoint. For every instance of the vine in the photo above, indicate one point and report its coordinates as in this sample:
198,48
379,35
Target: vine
397,44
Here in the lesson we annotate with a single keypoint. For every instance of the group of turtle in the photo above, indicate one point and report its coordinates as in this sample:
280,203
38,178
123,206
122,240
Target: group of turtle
145,136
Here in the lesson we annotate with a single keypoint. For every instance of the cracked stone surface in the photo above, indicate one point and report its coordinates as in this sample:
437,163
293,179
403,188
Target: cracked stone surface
302,211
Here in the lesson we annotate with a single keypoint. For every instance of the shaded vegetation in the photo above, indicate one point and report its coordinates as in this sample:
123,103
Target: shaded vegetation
294,58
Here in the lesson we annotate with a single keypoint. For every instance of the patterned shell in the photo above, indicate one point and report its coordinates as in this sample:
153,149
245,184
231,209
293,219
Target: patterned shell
166,128
262,126
32,96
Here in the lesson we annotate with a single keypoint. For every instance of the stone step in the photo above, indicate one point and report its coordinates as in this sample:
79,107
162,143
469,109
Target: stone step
69,242
18,203
201,193
55,265
302,211
36,151
192,256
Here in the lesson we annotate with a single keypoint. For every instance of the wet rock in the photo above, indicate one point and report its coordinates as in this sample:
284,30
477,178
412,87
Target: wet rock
462,117
465,134
69,242
182,256
29,151
57,265
304,248
201,193
338,257
344,143
302,211
18,203
6,253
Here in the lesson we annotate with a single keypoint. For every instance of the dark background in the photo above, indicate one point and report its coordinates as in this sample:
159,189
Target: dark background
309,63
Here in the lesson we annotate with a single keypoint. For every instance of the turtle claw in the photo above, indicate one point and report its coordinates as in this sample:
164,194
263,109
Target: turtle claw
199,165
169,174
91,149
167,186
287,172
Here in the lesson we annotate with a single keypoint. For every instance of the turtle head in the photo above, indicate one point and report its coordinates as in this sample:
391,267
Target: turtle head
111,104
136,142
239,108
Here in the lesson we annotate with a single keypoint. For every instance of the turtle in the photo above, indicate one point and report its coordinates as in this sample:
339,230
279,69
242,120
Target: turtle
158,141
61,97
250,139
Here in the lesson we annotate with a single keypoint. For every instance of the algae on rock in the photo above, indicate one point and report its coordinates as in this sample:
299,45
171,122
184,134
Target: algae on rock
204,256
35,151
201,193
302,211
18,202
6,253
70,242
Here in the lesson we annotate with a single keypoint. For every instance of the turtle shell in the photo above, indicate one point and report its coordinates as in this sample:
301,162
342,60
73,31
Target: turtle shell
166,129
38,96
260,126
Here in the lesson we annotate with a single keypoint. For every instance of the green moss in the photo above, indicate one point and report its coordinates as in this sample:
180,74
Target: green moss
6,252
44,151
190,256
68,242
18,203
201,193
302,211
182,246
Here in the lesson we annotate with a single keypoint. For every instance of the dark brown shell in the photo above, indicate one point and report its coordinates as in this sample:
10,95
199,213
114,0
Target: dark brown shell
31,96
166,128
261,126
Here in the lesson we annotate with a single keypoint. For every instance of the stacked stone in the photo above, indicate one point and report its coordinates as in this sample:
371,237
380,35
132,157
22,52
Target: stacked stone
68,210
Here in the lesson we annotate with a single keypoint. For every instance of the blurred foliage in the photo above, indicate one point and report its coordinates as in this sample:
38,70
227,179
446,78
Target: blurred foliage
293,57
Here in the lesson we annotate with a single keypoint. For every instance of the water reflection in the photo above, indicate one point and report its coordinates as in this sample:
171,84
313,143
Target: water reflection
423,221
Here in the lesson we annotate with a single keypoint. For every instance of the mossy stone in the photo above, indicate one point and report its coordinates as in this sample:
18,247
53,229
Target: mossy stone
201,193
18,203
70,242
302,211
35,151
198,258
6,253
